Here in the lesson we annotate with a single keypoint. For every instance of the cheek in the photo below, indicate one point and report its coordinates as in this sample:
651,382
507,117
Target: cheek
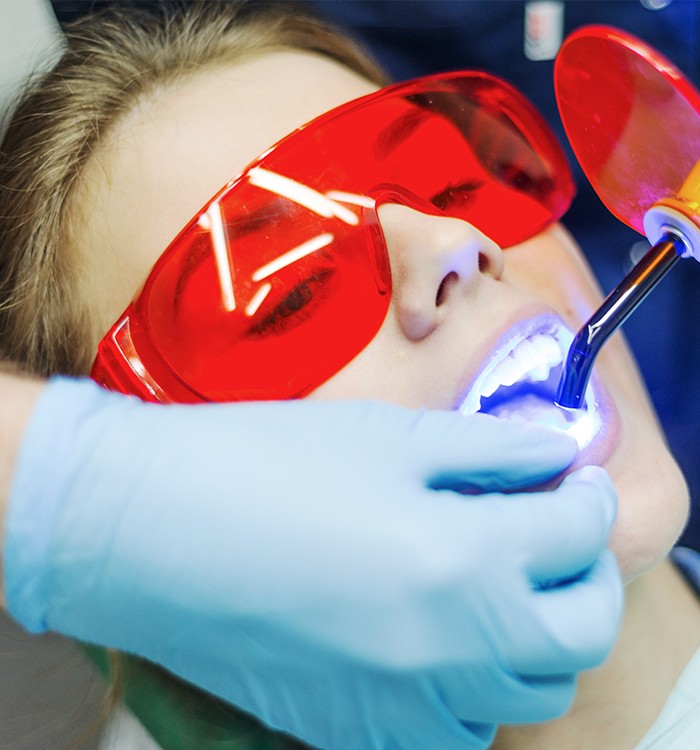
551,268
369,375
392,370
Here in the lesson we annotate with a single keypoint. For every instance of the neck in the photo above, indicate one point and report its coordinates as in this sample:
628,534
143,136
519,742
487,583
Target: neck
618,702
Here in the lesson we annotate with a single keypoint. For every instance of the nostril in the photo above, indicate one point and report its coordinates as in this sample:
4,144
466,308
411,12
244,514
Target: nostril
445,285
490,260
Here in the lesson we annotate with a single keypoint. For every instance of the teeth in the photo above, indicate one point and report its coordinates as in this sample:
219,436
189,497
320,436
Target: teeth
539,373
528,353
508,371
489,386
531,359
549,354
548,347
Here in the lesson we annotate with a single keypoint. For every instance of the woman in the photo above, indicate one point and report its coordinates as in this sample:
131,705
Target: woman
160,133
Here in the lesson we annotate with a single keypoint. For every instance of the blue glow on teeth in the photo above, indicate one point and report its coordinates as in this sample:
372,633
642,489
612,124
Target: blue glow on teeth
523,377
582,425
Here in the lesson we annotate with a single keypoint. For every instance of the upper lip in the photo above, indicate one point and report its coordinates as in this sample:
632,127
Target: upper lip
531,346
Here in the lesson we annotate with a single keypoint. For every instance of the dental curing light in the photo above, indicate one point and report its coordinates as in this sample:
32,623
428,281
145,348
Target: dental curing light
633,121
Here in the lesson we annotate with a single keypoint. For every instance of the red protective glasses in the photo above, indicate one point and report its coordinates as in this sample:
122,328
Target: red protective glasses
283,277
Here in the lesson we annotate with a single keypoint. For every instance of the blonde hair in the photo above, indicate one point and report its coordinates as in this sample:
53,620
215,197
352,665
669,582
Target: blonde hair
111,61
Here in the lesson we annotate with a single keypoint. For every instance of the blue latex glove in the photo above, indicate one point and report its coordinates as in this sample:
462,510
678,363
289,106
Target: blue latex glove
309,561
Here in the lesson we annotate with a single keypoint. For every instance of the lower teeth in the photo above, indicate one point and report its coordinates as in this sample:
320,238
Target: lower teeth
581,424
531,408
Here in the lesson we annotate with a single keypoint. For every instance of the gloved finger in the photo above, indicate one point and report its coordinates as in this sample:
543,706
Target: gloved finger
446,733
562,532
481,452
578,624
575,528
428,721
505,697
549,697
398,712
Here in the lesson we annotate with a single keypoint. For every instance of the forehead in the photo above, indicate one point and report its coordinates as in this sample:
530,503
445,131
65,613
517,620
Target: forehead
178,147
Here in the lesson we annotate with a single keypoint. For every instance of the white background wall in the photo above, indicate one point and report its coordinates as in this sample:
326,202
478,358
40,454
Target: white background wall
29,37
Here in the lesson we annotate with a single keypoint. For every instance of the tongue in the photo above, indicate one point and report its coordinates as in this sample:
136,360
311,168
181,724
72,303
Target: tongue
532,408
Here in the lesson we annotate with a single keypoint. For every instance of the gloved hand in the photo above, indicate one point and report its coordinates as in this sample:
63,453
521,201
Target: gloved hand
311,563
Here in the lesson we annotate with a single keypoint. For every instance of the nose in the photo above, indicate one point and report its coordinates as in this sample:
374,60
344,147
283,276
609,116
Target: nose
434,260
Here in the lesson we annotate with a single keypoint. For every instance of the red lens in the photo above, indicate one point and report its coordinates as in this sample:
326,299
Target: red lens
284,277
255,323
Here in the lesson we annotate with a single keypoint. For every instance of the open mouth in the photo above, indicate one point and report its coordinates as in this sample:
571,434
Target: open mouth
520,383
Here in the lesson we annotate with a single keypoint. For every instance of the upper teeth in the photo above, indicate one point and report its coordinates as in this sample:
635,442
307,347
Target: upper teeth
530,359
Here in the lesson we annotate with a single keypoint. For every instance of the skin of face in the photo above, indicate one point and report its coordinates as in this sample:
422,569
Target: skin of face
455,296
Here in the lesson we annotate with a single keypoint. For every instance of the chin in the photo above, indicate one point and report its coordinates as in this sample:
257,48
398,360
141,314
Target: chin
653,506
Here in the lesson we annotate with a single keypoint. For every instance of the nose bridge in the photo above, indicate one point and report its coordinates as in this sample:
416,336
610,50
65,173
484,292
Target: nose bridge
426,252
